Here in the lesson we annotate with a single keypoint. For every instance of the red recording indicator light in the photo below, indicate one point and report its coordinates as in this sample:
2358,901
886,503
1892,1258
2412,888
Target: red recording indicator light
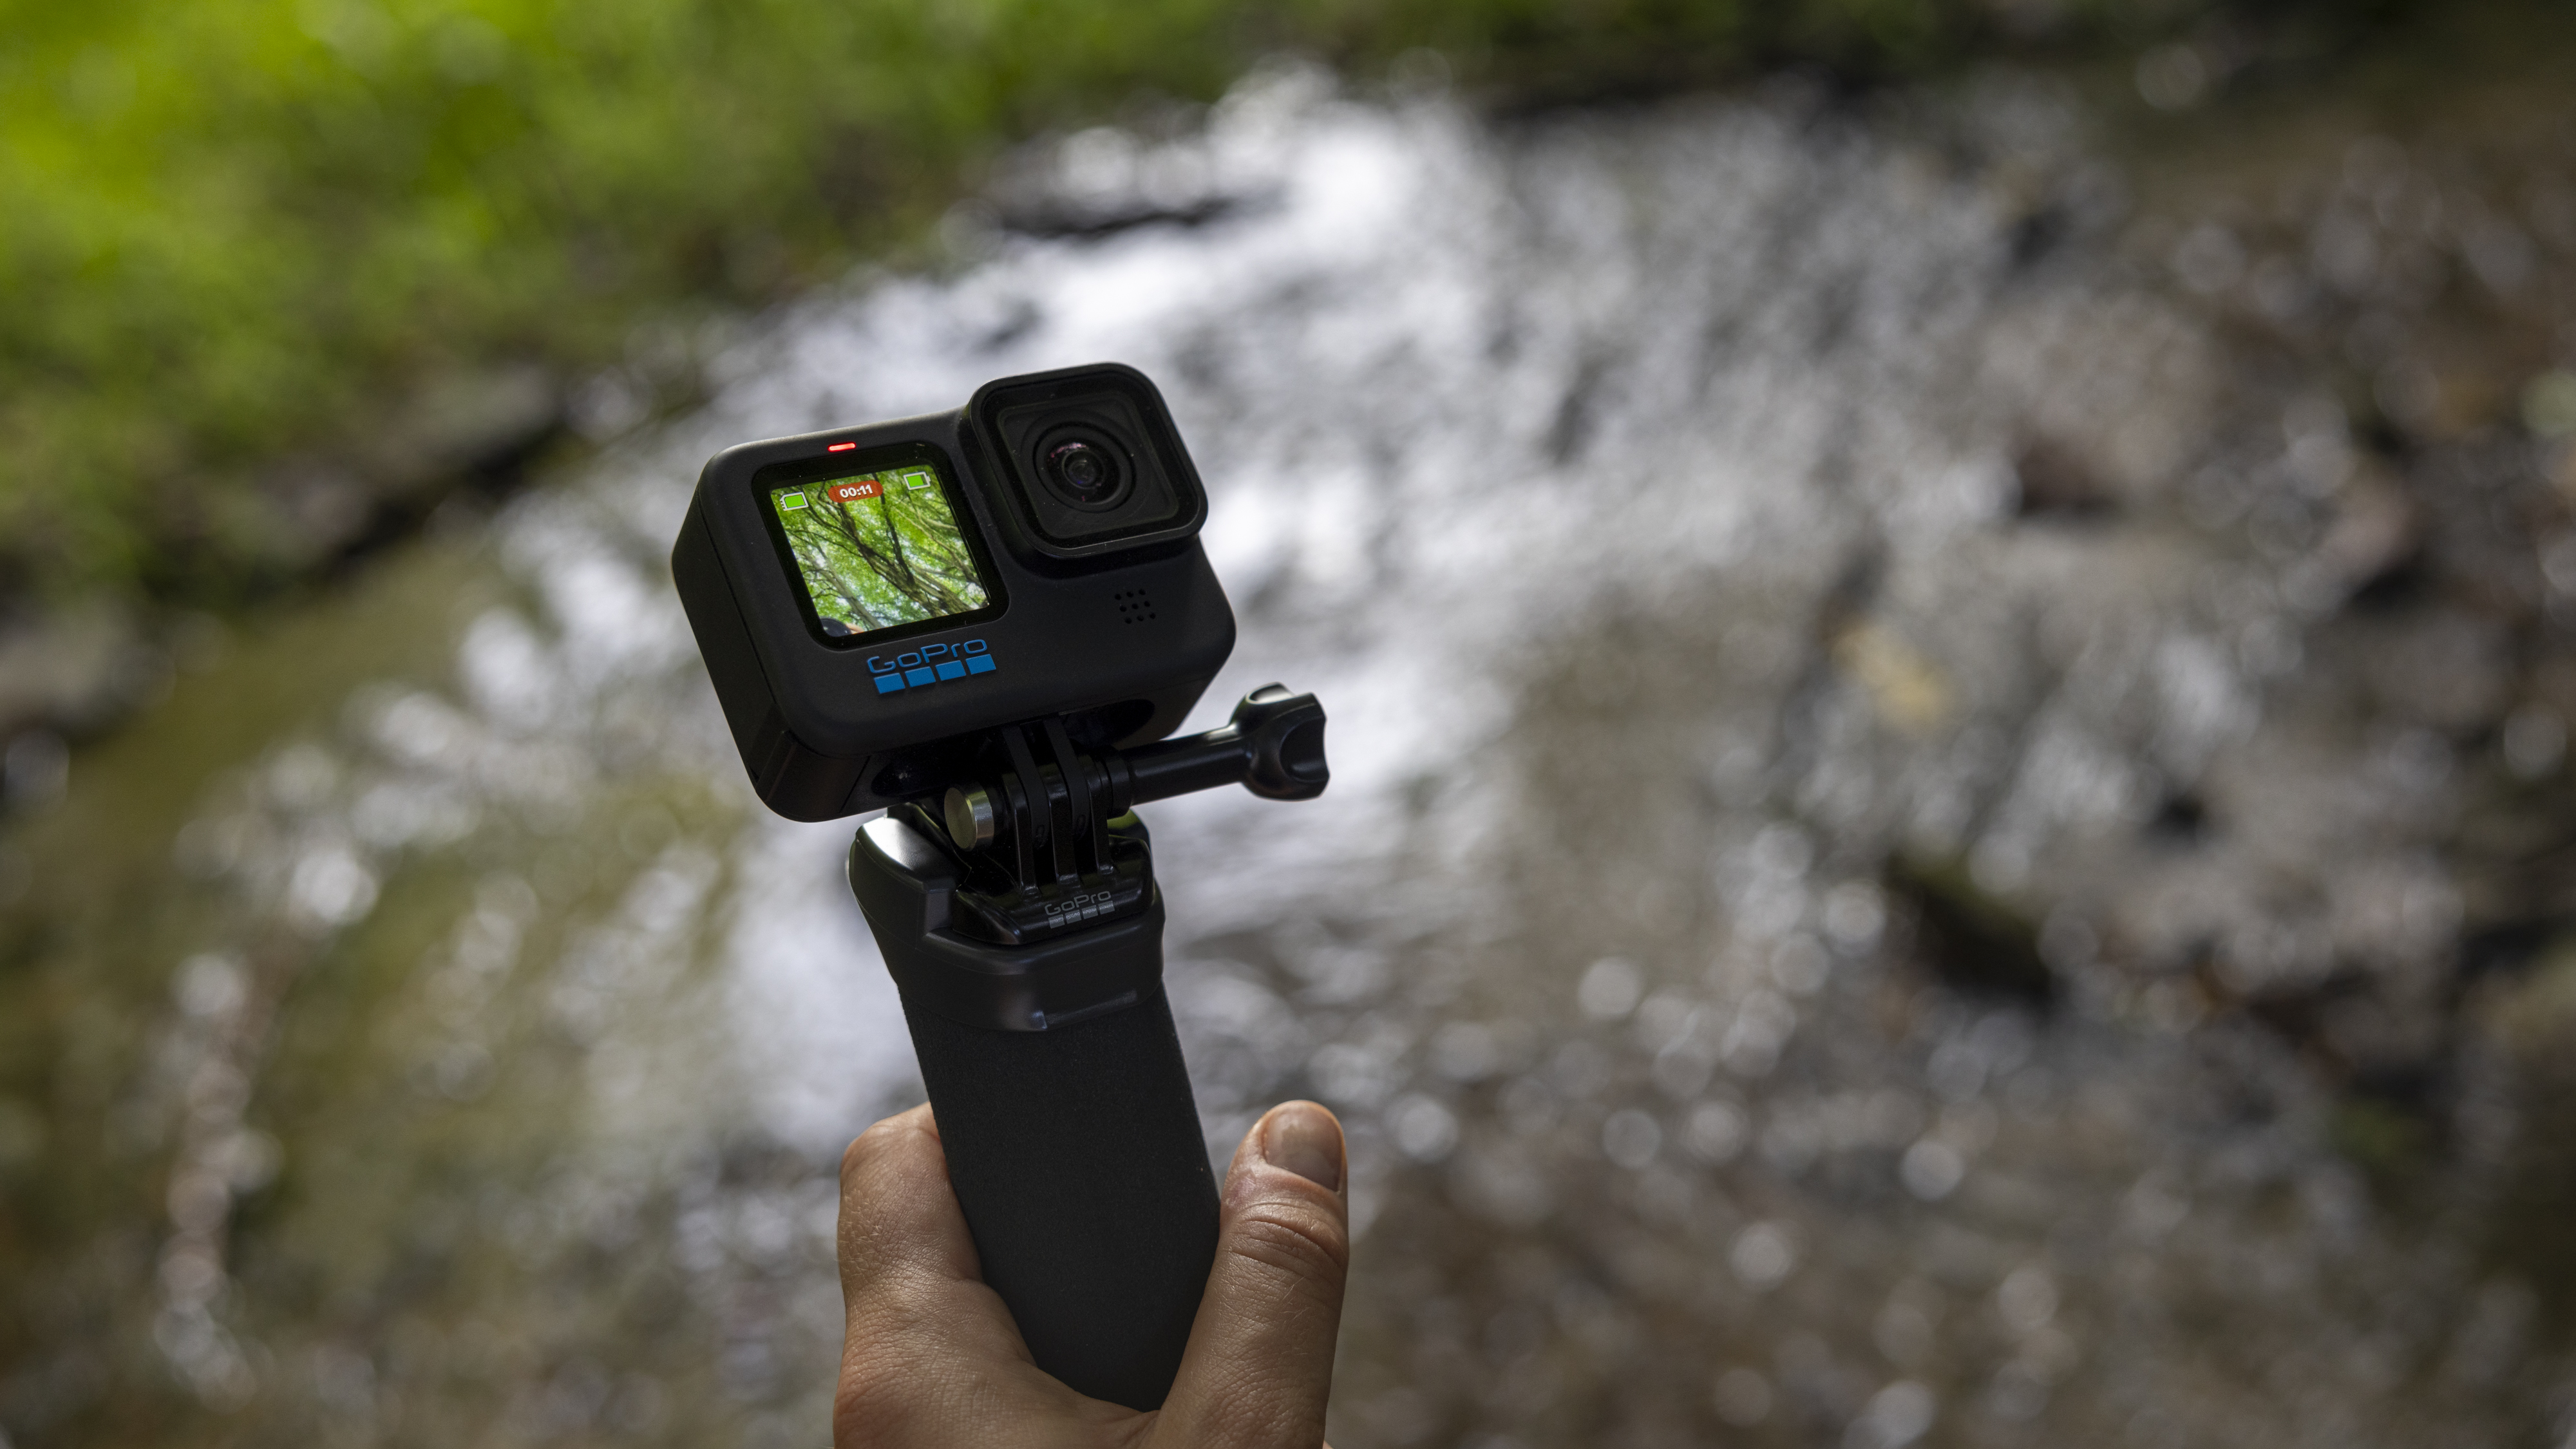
838,447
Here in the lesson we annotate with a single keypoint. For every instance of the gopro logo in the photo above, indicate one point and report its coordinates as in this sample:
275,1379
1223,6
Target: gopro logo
930,664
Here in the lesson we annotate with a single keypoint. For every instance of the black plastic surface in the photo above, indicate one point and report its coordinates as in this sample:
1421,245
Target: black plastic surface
907,886
1274,747
1077,1157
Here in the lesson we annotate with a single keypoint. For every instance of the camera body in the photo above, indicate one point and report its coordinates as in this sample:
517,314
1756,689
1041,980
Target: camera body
870,600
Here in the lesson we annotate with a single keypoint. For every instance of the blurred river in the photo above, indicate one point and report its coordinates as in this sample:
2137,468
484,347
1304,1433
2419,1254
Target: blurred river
1945,775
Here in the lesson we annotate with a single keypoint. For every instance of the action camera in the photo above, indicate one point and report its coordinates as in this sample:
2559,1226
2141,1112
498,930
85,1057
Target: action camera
871,600
985,623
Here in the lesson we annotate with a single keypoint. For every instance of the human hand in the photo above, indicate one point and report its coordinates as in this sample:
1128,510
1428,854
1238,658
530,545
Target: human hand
933,1359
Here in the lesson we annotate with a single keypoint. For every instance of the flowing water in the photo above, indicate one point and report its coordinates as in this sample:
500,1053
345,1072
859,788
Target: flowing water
1930,775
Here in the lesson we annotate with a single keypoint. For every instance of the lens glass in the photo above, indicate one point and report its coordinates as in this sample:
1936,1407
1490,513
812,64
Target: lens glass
1084,471
1080,466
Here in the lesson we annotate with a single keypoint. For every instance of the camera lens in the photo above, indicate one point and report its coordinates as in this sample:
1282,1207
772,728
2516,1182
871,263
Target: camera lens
1081,467
1084,471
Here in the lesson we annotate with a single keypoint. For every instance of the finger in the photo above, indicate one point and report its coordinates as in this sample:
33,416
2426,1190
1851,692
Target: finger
1260,1361
930,1351
899,1219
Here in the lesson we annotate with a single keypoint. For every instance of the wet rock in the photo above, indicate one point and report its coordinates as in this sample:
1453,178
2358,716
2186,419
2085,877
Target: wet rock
470,422
1966,938
2529,1116
457,433
66,675
2052,482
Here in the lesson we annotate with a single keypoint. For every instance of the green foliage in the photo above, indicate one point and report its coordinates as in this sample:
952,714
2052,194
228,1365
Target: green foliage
242,237
872,562
242,227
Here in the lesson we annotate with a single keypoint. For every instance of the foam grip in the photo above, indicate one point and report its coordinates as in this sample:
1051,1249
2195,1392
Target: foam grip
1077,1156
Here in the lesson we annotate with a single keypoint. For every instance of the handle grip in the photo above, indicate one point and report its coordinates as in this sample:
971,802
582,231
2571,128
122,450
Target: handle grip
1077,1157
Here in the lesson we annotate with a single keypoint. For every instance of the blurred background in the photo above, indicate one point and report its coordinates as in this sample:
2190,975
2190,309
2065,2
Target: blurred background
1950,626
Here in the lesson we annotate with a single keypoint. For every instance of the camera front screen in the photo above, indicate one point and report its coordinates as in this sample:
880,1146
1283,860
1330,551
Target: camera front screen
879,550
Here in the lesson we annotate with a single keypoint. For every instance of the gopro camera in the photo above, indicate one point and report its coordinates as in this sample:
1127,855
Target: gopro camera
870,600
986,622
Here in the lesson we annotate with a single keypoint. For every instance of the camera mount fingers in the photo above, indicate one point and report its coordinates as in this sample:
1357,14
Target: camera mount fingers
1042,851
1090,825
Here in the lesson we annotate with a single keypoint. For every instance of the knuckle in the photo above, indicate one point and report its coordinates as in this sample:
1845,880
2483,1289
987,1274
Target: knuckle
873,1145
863,1149
1309,1247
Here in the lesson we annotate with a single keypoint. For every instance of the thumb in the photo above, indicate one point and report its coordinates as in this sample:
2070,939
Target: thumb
1260,1361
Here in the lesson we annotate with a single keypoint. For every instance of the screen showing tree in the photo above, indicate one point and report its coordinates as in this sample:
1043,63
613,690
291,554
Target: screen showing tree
879,549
